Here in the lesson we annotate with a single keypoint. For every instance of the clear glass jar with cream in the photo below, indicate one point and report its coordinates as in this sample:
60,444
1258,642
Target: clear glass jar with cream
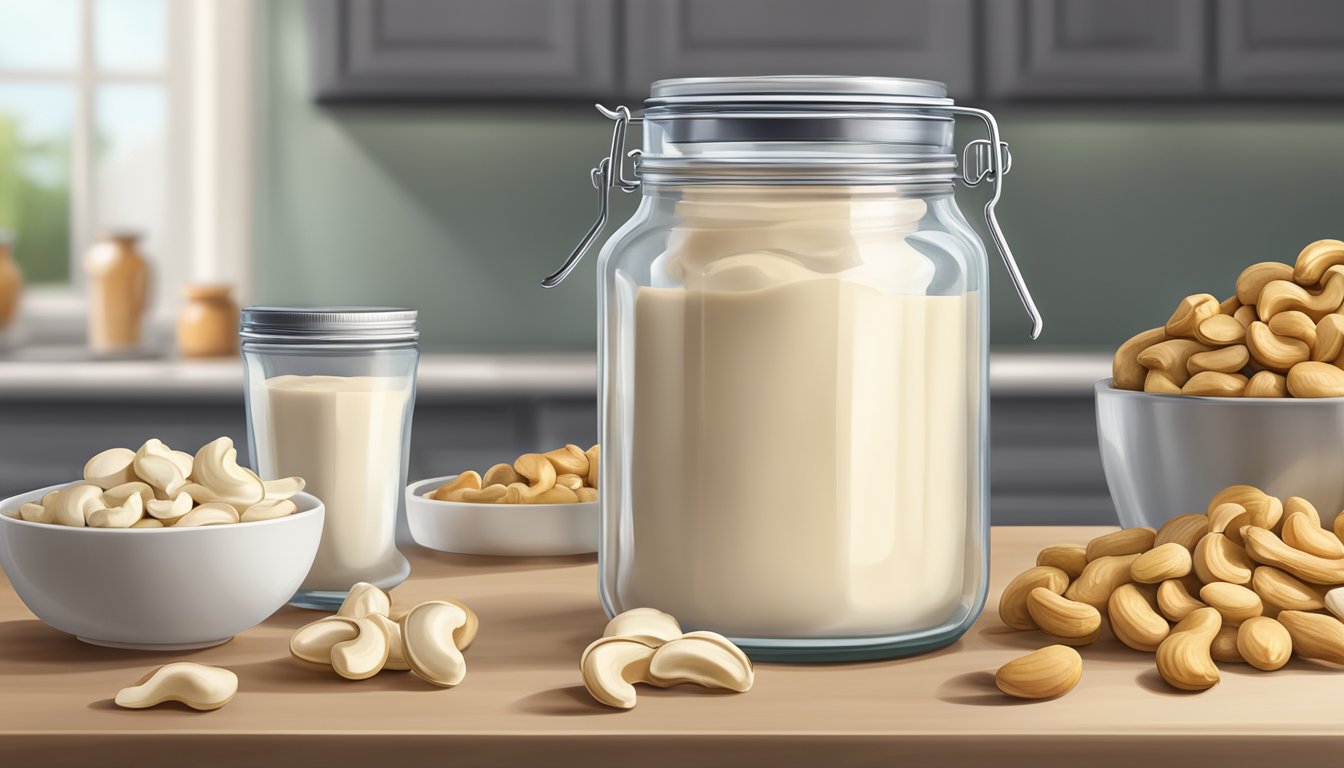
330,394
793,392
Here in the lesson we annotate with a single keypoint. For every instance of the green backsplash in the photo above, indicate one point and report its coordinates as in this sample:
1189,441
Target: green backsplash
1114,213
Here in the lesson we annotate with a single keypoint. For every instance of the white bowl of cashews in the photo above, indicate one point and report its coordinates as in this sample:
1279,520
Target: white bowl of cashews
181,583
527,530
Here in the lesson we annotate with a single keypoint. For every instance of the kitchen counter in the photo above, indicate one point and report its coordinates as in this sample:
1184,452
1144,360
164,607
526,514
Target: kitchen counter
448,375
522,702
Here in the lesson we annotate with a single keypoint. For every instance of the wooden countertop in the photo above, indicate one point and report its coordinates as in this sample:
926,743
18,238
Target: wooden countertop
522,702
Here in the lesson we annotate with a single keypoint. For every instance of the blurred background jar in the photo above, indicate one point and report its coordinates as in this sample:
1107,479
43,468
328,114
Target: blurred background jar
208,323
118,285
11,281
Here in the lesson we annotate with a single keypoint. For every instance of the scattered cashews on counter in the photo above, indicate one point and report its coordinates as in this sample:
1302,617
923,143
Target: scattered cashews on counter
563,476
196,685
158,487
363,639
1280,335
643,645
1254,580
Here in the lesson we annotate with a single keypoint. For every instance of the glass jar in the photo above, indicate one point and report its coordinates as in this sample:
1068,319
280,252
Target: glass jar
330,393
118,288
207,326
793,391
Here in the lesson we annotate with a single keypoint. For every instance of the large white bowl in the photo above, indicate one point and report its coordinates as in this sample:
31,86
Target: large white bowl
499,529
1166,455
158,588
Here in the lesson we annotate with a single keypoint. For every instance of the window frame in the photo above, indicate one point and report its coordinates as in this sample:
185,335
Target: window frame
206,77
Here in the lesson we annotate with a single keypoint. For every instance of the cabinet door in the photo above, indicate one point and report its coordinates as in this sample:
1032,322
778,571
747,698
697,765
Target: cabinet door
930,39
437,49
1095,48
1281,47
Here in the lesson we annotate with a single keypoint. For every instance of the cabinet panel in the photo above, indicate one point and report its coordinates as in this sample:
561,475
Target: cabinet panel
422,49
1281,48
930,39
1095,48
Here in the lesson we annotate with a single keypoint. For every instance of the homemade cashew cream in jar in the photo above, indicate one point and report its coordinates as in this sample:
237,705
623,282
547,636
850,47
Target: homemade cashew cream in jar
793,388
330,393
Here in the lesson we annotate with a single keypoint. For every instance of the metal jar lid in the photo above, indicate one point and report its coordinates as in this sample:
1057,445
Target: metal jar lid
797,89
318,325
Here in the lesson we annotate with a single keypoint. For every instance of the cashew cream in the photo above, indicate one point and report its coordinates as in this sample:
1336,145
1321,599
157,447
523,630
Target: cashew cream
342,434
804,423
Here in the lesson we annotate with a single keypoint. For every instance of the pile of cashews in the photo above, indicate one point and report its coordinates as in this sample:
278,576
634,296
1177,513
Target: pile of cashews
644,645
1281,335
158,487
362,639
562,476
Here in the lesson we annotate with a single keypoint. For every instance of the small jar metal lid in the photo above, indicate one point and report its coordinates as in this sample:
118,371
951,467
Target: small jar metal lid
316,325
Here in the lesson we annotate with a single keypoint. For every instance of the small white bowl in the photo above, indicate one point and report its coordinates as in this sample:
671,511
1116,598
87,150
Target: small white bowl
159,589
499,529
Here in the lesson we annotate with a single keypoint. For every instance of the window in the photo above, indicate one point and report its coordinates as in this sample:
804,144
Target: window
86,106
126,114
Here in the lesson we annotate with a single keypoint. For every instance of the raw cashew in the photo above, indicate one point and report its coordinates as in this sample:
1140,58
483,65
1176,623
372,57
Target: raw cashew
216,476
704,658
452,490
162,475
1329,339
1264,643
363,656
488,494
611,665
281,488
1254,278
1013,601
110,468
1159,383
1185,530
313,642
1100,578
1168,561
1308,379
1216,558
1072,622
1228,519
1069,558
1175,601
1188,315
147,522
594,454
646,625
556,495
1229,359
1266,384
1295,325
161,509
539,471
124,516
428,635
1284,295
1315,259
586,494
1282,591
209,513
500,474
363,599
1130,541
1316,637
1265,509
1045,674
1219,331
196,685
1214,384
156,447
1183,658
396,652
268,509
1171,358
1302,530
71,507
117,495
1277,353
1233,602
569,482
1264,547
569,460
1134,621
34,513
1126,372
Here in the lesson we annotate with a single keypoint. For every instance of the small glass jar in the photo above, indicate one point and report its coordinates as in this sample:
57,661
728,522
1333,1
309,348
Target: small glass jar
118,291
330,393
793,348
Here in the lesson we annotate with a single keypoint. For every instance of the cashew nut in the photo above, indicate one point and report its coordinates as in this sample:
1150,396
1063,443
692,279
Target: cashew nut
163,475
268,509
1225,360
313,642
110,468
1277,353
117,495
1266,384
610,666
1188,315
1126,371
594,455
1214,384
155,447
1264,547
147,522
429,638
569,482
217,476
500,474
1183,658
1294,324
1171,358
282,488
365,598
1254,278
707,659
1284,295
569,460
1302,530
123,516
1265,509
169,510
587,494
396,654
1220,330
1315,259
1316,380
71,506
539,471
487,495
649,626
196,685
468,480
363,656
33,513
209,513
1329,339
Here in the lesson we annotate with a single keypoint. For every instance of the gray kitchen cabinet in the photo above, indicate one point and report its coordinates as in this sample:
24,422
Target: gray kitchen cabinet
1096,48
1281,48
445,49
693,38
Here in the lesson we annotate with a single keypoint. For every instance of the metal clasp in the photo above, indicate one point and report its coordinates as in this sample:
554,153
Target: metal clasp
603,180
977,161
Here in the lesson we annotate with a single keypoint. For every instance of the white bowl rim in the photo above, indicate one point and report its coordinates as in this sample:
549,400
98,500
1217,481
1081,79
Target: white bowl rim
316,507
1105,386
414,488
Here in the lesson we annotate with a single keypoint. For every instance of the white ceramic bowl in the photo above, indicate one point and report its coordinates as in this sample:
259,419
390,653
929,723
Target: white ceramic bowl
1166,455
158,588
499,529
